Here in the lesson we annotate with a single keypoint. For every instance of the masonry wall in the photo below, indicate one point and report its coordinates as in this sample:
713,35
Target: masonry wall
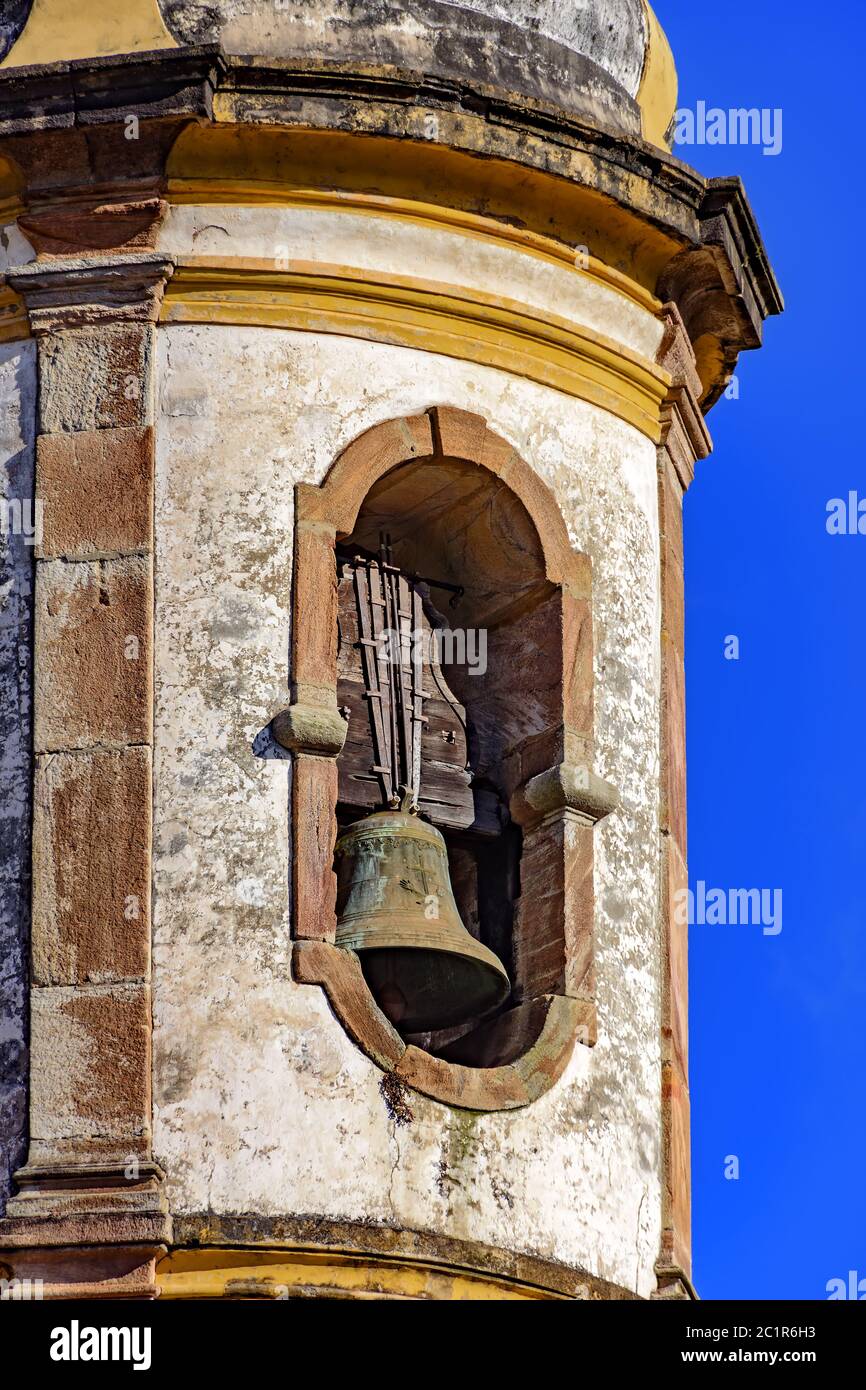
262,1103
588,57
17,425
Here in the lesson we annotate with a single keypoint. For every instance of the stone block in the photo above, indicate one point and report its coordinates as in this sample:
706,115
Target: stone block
314,792
94,653
96,489
90,1073
91,867
675,985
96,378
314,656
673,746
673,600
677,1128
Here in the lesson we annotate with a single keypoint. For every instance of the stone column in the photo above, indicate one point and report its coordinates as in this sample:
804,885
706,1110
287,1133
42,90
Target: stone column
684,440
557,805
89,1210
555,927
312,728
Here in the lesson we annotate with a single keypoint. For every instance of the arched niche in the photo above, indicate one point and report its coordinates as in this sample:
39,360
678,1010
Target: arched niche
459,499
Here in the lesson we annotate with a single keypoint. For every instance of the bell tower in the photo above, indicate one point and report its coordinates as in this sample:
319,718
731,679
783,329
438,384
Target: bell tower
355,361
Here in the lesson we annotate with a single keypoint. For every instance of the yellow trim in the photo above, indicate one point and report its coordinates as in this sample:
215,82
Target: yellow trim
58,31
433,182
14,324
657,94
208,192
402,310
197,1274
12,187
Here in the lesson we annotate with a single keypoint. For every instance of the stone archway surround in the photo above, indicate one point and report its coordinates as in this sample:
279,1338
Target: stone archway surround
557,798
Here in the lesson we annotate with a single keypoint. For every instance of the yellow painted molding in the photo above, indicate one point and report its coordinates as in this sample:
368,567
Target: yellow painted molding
12,183
210,192
274,1274
432,182
657,93
425,315
58,31
14,324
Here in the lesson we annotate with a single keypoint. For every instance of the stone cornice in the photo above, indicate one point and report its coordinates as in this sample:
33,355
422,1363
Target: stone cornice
316,729
269,1240
72,292
709,252
99,91
566,787
728,221
684,432
110,1204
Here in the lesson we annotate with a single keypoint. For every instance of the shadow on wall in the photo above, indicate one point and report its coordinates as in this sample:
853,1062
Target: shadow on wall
13,17
17,424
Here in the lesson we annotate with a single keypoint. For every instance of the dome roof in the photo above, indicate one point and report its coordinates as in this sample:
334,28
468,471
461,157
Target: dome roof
606,61
613,33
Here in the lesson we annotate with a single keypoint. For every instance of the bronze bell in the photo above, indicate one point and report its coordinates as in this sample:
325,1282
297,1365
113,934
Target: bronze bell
396,908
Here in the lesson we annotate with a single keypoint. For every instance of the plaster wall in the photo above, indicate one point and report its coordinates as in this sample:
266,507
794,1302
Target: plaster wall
262,1104
610,32
393,245
586,57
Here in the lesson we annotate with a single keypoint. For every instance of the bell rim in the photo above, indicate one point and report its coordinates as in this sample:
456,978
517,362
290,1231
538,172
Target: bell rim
485,1002
464,946
372,934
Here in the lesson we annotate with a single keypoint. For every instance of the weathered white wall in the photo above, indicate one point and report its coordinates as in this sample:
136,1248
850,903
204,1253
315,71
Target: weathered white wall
580,53
611,33
262,1103
393,245
17,416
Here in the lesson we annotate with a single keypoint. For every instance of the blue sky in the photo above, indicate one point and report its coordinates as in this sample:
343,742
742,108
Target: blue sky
777,739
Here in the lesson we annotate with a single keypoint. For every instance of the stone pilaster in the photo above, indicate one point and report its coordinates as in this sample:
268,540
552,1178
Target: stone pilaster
684,440
89,1213
313,729
555,927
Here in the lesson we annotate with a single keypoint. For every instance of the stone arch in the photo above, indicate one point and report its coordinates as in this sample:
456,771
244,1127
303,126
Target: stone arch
554,795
